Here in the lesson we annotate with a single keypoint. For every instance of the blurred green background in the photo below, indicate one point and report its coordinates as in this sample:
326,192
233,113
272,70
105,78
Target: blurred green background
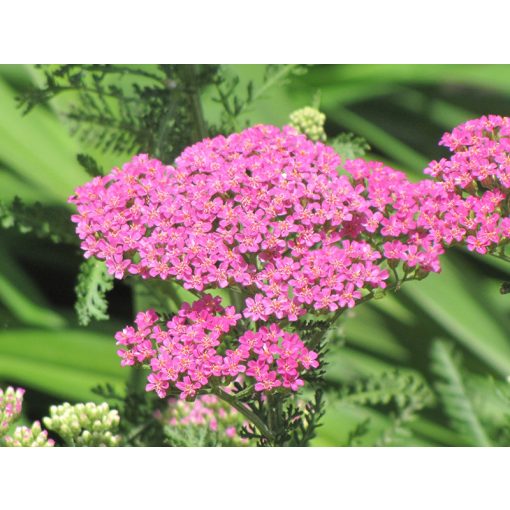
402,111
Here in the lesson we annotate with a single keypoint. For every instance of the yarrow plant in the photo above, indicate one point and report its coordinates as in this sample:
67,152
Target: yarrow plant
264,212
11,403
77,425
281,223
310,122
272,232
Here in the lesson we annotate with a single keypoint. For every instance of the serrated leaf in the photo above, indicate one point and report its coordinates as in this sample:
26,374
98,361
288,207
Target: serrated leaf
42,221
454,397
94,282
350,146
90,165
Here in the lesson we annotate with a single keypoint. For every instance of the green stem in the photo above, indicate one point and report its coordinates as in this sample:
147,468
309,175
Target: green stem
248,413
245,392
500,256
189,73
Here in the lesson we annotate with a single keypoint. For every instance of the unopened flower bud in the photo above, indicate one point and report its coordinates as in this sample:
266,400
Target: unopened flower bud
11,401
85,424
29,436
309,122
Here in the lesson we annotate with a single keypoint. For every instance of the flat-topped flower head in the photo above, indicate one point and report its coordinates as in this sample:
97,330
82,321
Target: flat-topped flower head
84,424
199,348
477,178
481,155
264,210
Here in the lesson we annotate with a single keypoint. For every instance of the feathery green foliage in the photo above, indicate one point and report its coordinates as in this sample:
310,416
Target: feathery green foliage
454,397
406,394
128,108
93,284
90,165
350,146
37,219
235,105
400,388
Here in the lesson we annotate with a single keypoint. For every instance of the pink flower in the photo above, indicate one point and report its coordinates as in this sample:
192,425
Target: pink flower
188,387
117,266
256,308
157,384
268,382
309,359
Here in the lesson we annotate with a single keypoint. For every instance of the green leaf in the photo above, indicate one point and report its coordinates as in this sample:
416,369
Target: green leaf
42,221
386,387
94,282
452,391
90,165
38,149
350,146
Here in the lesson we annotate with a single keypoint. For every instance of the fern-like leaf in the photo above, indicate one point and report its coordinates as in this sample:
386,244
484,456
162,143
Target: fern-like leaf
129,109
401,388
37,219
454,396
350,146
407,393
90,165
93,284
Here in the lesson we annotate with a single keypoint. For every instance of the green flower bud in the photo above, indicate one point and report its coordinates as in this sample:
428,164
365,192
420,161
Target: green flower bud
85,424
309,122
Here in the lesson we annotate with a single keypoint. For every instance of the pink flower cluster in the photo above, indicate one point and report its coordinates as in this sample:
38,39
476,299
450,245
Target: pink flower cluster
11,402
481,156
199,346
264,210
476,179
405,219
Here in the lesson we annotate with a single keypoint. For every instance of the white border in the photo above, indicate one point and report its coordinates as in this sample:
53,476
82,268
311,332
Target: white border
269,31
244,478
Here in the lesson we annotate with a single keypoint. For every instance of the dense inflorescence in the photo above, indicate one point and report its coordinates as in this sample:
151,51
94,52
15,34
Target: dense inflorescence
11,403
200,346
264,210
29,436
275,217
310,122
85,424
477,176
405,220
